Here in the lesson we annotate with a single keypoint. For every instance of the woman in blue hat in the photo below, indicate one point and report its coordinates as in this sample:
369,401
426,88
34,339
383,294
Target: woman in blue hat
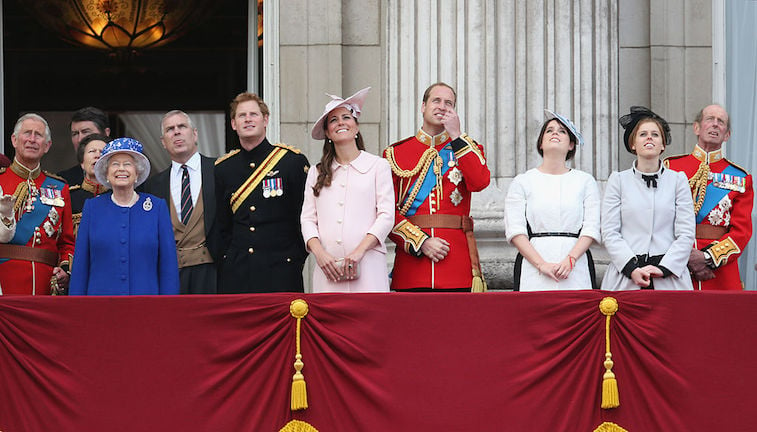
552,215
125,244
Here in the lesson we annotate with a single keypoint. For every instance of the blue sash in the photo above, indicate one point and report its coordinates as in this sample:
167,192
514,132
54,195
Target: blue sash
429,181
714,194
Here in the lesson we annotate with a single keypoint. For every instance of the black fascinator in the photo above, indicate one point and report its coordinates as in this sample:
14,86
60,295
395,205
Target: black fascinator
637,114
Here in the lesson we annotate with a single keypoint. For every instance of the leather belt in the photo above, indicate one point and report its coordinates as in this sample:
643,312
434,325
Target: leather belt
442,221
25,253
710,232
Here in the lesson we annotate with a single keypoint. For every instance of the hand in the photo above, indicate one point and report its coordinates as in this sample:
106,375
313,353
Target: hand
6,205
697,262
549,270
62,277
435,248
642,276
698,266
327,263
451,123
564,267
703,275
351,262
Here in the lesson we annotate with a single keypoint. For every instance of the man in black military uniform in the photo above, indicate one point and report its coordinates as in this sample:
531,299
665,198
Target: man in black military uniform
259,192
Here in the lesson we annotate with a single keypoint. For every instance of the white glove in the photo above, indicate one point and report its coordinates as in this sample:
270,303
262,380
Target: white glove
6,205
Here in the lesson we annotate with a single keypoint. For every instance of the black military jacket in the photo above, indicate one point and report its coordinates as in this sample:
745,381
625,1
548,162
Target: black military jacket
261,243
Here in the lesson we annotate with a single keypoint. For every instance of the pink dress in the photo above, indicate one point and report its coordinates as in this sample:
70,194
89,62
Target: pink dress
359,201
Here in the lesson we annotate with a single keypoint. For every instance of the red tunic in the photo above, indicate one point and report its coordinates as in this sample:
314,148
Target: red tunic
54,233
729,205
467,168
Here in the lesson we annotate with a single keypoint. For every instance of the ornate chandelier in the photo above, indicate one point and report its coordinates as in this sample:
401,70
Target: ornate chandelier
119,25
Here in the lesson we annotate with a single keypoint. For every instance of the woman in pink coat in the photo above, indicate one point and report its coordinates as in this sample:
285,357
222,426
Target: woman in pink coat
348,209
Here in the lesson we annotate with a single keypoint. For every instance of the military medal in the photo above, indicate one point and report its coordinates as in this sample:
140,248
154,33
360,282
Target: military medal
279,186
456,197
455,176
147,205
729,182
267,188
48,227
53,216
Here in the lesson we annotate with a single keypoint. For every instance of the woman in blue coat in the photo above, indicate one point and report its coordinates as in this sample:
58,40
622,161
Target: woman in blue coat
125,244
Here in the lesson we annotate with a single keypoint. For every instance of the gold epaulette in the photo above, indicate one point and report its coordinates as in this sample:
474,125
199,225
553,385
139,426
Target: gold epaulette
288,147
74,187
720,251
55,176
226,156
666,163
471,147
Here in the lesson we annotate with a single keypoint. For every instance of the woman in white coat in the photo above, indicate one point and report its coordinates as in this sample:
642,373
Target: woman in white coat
348,209
647,213
552,215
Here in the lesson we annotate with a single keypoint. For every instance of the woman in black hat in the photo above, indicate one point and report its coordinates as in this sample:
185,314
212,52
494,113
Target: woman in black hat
647,213
552,215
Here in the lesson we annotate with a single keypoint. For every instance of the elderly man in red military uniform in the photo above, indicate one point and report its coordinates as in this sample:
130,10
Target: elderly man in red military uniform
36,259
434,173
723,197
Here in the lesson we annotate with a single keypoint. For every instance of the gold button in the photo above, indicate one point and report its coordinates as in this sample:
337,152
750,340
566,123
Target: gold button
289,260
252,164
250,250
252,229
252,208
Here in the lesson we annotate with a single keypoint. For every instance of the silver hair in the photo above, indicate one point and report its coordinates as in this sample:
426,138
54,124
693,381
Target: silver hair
172,113
33,116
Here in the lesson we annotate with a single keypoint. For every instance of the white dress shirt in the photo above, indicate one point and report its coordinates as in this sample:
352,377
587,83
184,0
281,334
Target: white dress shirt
195,180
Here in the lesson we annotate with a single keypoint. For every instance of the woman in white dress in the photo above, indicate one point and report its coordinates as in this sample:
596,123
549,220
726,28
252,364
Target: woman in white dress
348,209
647,213
552,215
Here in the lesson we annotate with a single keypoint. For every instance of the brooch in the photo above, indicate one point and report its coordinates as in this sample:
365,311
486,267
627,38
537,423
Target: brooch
147,205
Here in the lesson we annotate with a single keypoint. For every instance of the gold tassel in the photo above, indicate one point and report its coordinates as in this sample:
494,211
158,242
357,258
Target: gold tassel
479,284
609,427
298,308
610,399
298,426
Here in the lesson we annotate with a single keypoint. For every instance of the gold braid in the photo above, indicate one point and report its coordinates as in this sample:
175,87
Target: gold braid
698,185
424,163
21,194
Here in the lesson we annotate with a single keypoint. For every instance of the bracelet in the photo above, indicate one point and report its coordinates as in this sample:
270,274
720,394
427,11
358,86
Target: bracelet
572,261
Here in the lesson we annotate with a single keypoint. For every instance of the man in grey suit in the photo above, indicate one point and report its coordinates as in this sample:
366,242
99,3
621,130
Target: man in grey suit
188,186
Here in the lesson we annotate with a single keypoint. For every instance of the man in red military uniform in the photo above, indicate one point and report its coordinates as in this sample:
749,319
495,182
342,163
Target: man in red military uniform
723,197
434,173
36,259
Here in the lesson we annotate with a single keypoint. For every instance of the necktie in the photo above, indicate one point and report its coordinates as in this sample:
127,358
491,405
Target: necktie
186,196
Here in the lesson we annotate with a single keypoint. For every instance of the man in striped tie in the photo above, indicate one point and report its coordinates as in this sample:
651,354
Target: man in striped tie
189,185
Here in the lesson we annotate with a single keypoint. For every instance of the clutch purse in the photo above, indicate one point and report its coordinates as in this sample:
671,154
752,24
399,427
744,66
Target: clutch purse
340,266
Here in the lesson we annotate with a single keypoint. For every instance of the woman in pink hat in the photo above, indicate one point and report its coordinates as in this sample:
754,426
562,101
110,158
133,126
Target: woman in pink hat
348,209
